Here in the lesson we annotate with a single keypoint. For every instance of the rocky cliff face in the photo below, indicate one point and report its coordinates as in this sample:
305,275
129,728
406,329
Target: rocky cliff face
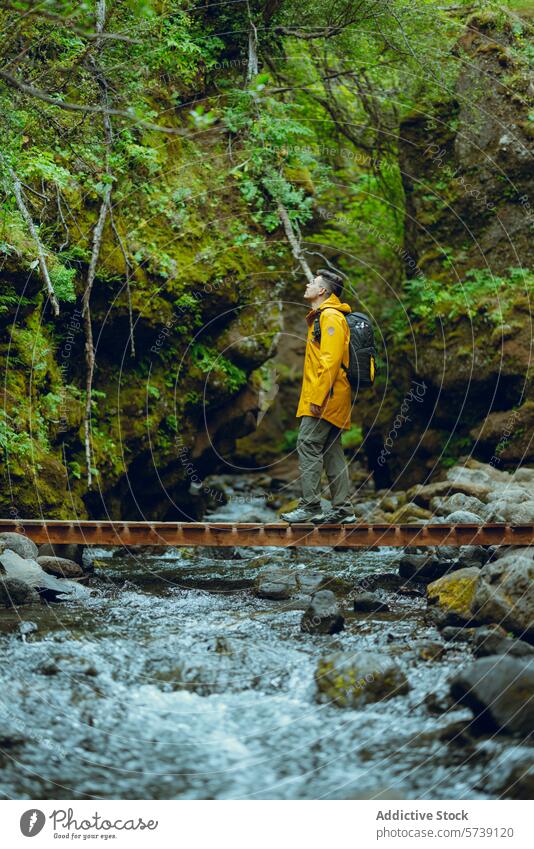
469,253
205,317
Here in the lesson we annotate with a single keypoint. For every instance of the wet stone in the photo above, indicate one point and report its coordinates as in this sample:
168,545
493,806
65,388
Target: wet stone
309,582
14,592
369,603
353,680
429,650
323,615
20,544
499,691
69,551
276,584
488,641
60,567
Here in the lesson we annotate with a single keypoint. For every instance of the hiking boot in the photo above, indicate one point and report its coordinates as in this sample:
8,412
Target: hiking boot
299,514
335,516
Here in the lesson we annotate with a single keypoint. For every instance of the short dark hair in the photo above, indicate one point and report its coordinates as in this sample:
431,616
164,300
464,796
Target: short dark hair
333,281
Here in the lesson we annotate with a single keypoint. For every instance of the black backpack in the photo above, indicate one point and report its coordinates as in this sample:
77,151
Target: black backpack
362,368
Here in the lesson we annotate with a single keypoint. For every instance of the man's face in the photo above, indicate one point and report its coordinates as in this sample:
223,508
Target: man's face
315,289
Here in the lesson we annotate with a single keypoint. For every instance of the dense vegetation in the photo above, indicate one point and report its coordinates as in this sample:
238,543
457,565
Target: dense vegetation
170,172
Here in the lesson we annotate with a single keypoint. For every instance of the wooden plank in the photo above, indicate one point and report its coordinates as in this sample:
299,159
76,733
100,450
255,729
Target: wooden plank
223,534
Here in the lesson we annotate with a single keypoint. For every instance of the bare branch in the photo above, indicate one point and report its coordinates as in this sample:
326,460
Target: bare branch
294,241
24,211
88,110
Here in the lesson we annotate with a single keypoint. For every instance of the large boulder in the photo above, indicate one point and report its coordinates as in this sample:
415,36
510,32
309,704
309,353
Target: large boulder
352,680
31,573
60,567
14,593
22,545
500,692
323,615
504,593
455,593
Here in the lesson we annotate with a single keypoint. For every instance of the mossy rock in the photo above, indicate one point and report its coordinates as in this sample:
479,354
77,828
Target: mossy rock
455,593
353,680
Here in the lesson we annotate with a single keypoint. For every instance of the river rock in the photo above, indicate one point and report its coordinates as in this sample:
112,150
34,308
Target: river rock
425,567
505,594
460,501
323,615
19,543
31,573
455,593
431,495
492,641
69,551
352,680
524,476
463,517
429,650
60,567
511,775
481,474
369,603
512,493
409,512
309,581
517,513
500,692
275,583
14,593
456,634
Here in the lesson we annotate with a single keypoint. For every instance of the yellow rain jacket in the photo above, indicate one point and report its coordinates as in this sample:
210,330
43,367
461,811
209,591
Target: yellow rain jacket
324,381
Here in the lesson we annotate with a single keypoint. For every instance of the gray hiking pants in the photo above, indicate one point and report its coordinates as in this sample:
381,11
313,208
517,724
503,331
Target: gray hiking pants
318,444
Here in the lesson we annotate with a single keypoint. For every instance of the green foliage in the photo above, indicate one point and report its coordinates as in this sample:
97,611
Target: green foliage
289,440
62,280
12,440
352,438
210,362
480,294
272,148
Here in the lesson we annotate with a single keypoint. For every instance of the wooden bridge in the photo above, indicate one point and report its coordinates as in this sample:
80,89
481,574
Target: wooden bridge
361,535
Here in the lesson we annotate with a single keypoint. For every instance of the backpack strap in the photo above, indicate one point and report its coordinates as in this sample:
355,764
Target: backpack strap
317,329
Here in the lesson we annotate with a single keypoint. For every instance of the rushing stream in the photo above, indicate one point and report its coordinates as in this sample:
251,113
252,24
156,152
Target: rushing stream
172,680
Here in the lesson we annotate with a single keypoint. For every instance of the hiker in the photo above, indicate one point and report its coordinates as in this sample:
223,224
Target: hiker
324,405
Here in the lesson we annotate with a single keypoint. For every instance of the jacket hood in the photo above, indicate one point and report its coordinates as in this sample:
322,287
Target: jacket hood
331,301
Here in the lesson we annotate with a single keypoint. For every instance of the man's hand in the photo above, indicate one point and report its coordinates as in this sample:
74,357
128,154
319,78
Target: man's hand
315,410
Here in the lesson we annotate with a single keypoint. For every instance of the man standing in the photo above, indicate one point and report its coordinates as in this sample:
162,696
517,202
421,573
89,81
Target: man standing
324,405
